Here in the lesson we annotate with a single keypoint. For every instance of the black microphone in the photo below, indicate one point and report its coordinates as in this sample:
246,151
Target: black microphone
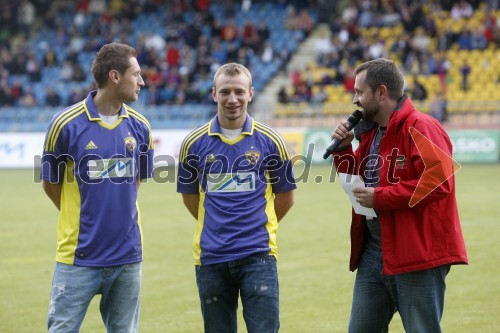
352,121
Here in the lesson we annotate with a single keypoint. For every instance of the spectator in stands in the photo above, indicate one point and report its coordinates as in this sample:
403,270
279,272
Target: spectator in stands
445,39
230,31
52,98
443,65
78,73
250,36
478,40
6,97
465,40
173,77
350,12
429,25
427,63
465,70
26,16
76,95
154,41
153,96
172,54
18,64
243,57
439,107
180,95
377,48
33,69
28,98
410,16
418,91
263,32
320,96
304,22
17,89
296,77
302,93
420,41
390,16
291,16
267,55
283,95
367,15
66,72
218,53
348,80
324,46
461,9
490,26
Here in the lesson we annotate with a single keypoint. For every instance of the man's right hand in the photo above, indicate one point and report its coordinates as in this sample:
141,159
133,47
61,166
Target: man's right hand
341,133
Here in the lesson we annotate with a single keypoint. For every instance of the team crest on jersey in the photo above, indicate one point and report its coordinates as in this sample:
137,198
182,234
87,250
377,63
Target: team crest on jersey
401,162
252,156
130,143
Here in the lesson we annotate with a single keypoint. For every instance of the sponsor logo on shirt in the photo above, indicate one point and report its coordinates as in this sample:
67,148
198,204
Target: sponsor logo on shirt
231,182
111,168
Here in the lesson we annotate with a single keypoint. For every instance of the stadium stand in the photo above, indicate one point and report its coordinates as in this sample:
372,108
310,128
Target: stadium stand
451,51
180,45
450,47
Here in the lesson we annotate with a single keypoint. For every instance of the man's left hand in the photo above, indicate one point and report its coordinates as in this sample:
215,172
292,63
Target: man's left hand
364,196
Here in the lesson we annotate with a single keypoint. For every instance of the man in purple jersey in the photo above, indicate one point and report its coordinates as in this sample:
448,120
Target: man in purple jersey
96,152
236,179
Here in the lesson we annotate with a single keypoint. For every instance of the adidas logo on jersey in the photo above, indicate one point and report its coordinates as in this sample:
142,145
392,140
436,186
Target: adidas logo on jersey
91,145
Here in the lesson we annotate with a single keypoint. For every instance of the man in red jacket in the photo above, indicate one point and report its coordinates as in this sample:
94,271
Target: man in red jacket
404,254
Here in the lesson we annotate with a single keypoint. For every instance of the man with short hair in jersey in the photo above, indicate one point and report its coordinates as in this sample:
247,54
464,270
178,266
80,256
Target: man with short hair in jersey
96,152
236,179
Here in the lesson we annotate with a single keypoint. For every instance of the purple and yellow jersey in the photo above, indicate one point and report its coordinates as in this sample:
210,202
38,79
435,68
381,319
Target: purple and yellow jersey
98,166
236,180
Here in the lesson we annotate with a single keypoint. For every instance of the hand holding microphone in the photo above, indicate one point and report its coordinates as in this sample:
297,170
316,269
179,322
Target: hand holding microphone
342,134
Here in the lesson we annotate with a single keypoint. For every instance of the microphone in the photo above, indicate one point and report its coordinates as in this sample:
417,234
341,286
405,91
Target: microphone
352,121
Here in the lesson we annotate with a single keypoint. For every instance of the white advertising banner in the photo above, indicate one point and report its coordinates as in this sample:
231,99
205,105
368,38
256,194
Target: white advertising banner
21,150
18,150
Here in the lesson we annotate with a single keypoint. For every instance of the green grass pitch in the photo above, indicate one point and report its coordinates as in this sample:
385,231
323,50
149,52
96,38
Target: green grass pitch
315,284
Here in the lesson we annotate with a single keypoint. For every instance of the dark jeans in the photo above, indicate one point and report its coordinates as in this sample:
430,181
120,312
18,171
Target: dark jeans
255,278
417,296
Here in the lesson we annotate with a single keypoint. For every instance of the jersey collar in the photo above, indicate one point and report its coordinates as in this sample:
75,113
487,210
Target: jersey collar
214,127
91,109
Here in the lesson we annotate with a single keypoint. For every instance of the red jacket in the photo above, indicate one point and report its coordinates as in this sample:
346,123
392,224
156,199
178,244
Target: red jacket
426,235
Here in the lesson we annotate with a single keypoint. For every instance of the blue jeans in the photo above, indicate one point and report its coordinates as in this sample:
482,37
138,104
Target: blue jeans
418,296
255,278
74,287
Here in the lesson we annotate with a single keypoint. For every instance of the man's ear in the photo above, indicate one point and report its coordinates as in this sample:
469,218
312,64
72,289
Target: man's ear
383,92
114,76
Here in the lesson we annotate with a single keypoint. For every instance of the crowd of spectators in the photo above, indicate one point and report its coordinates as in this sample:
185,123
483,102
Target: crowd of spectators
420,47
56,39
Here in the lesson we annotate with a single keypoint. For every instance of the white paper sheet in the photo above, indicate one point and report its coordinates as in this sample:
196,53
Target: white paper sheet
349,182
